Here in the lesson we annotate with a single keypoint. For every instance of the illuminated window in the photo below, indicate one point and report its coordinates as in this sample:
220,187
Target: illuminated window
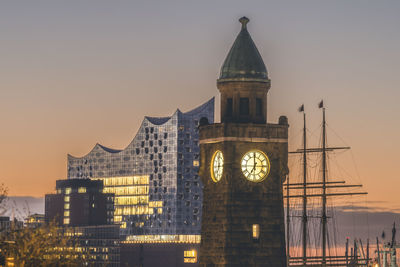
196,163
66,199
164,238
256,231
131,195
66,220
190,256
66,206
82,190
66,213
68,190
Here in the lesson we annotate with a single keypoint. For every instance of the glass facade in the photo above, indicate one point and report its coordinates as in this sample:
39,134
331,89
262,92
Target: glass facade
155,178
100,242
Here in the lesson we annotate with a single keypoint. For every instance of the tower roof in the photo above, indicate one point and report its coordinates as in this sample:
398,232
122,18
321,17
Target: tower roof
244,62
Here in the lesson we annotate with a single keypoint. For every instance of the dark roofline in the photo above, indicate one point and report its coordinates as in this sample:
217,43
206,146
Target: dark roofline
75,183
111,150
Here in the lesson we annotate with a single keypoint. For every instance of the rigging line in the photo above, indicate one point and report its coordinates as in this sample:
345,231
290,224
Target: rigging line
335,228
351,152
337,135
319,236
342,172
312,133
299,132
328,243
355,165
345,143
308,242
315,168
367,211
353,216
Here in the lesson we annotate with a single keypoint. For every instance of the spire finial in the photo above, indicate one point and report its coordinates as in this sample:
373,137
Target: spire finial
244,21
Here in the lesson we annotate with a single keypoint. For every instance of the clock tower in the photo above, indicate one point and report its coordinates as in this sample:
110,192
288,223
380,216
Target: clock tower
243,166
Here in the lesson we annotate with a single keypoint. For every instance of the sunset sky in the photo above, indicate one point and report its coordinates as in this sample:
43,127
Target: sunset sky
74,73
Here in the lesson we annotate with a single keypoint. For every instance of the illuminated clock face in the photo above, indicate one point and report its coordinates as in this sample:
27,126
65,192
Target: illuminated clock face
217,166
255,166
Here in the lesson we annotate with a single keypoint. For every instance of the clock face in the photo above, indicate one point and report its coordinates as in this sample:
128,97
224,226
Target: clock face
217,166
255,166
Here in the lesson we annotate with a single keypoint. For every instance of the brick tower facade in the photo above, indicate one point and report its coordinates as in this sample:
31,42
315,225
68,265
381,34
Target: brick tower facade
243,165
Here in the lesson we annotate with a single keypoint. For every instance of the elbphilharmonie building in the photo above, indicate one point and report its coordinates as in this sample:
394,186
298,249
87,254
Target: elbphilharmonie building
158,193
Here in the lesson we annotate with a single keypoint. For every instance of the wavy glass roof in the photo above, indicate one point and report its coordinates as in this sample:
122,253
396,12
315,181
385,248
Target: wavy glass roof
155,121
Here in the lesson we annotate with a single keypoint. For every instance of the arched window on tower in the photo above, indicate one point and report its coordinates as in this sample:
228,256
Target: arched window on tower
244,106
229,107
259,107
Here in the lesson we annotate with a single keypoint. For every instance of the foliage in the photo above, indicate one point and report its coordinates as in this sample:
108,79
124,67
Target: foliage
47,245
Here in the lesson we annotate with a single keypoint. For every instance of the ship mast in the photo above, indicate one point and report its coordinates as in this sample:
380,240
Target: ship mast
323,185
304,217
287,222
324,171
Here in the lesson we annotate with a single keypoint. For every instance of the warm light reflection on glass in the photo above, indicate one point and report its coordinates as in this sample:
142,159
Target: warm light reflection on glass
124,181
155,204
163,239
131,196
82,190
190,256
256,231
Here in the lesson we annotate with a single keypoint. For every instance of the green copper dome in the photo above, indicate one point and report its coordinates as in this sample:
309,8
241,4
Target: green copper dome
244,62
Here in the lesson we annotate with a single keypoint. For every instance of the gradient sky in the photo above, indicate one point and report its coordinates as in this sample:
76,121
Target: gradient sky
73,73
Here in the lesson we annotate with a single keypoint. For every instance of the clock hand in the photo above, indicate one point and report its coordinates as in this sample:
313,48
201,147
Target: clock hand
254,167
254,162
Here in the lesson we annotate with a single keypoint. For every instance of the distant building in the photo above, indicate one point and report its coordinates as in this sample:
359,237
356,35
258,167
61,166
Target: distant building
158,193
7,224
100,242
79,202
34,220
86,213
160,254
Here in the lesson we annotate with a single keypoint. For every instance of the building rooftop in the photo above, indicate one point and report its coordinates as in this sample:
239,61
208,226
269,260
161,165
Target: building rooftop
244,62
152,120
95,185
